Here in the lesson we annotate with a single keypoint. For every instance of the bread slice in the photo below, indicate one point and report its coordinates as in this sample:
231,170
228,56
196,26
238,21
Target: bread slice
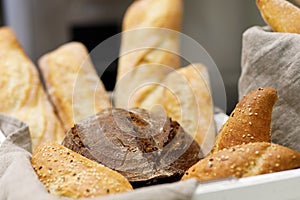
281,15
243,161
66,173
72,83
22,94
149,48
250,121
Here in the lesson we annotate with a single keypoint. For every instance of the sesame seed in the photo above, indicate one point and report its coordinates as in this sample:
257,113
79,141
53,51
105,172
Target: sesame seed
249,135
250,123
259,95
210,164
278,156
255,114
277,165
294,157
250,114
252,138
256,152
250,109
254,98
244,136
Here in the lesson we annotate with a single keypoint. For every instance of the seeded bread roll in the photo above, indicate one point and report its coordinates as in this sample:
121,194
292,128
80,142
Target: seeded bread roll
250,121
281,15
66,173
243,161
147,148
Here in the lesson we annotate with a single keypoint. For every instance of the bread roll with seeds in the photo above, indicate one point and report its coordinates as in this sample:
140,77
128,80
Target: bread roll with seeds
281,15
243,161
66,173
250,121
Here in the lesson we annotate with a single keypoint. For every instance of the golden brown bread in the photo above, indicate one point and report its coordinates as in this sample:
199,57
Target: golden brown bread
146,54
243,161
250,121
72,83
66,173
281,15
22,94
187,99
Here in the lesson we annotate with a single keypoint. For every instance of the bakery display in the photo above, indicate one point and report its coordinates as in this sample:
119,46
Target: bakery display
149,48
243,161
147,148
22,94
280,15
66,173
250,121
77,94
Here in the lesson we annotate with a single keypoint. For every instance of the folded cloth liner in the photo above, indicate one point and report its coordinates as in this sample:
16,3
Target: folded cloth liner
18,180
273,59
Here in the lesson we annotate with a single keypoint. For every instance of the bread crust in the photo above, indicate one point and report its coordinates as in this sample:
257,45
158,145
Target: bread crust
22,94
250,121
66,173
281,15
244,161
72,83
150,51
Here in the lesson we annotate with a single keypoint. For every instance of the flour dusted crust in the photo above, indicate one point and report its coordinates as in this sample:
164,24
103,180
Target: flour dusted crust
66,173
73,85
149,48
22,94
281,15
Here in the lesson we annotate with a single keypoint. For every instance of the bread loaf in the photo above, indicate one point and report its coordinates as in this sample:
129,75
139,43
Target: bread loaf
147,148
72,83
281,15
149,48
243,161
250,121
22,94
66,173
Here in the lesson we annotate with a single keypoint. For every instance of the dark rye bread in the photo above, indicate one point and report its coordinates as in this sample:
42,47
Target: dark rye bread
146,148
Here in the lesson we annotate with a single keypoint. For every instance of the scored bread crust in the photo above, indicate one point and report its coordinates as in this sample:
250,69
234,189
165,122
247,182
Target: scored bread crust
146,54
66,173
281,15
22,94
250,121
72,83
243,161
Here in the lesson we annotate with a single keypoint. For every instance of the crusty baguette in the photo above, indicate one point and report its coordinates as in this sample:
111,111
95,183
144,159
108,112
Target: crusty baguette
281,15
243,161
66,173
72,83
187,99
22,94
149,48
250,121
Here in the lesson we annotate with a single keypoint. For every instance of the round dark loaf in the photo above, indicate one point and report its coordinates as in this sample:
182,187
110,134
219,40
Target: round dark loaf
147,148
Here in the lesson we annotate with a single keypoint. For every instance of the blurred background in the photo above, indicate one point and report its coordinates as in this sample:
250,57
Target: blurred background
42,26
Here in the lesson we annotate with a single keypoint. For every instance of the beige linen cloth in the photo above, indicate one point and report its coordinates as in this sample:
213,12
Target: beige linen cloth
18,180
273,59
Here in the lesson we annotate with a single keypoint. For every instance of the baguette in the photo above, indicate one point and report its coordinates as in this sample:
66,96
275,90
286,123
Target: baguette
22,94
280,15
72,83
250,121
244,161
149,49
66,173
